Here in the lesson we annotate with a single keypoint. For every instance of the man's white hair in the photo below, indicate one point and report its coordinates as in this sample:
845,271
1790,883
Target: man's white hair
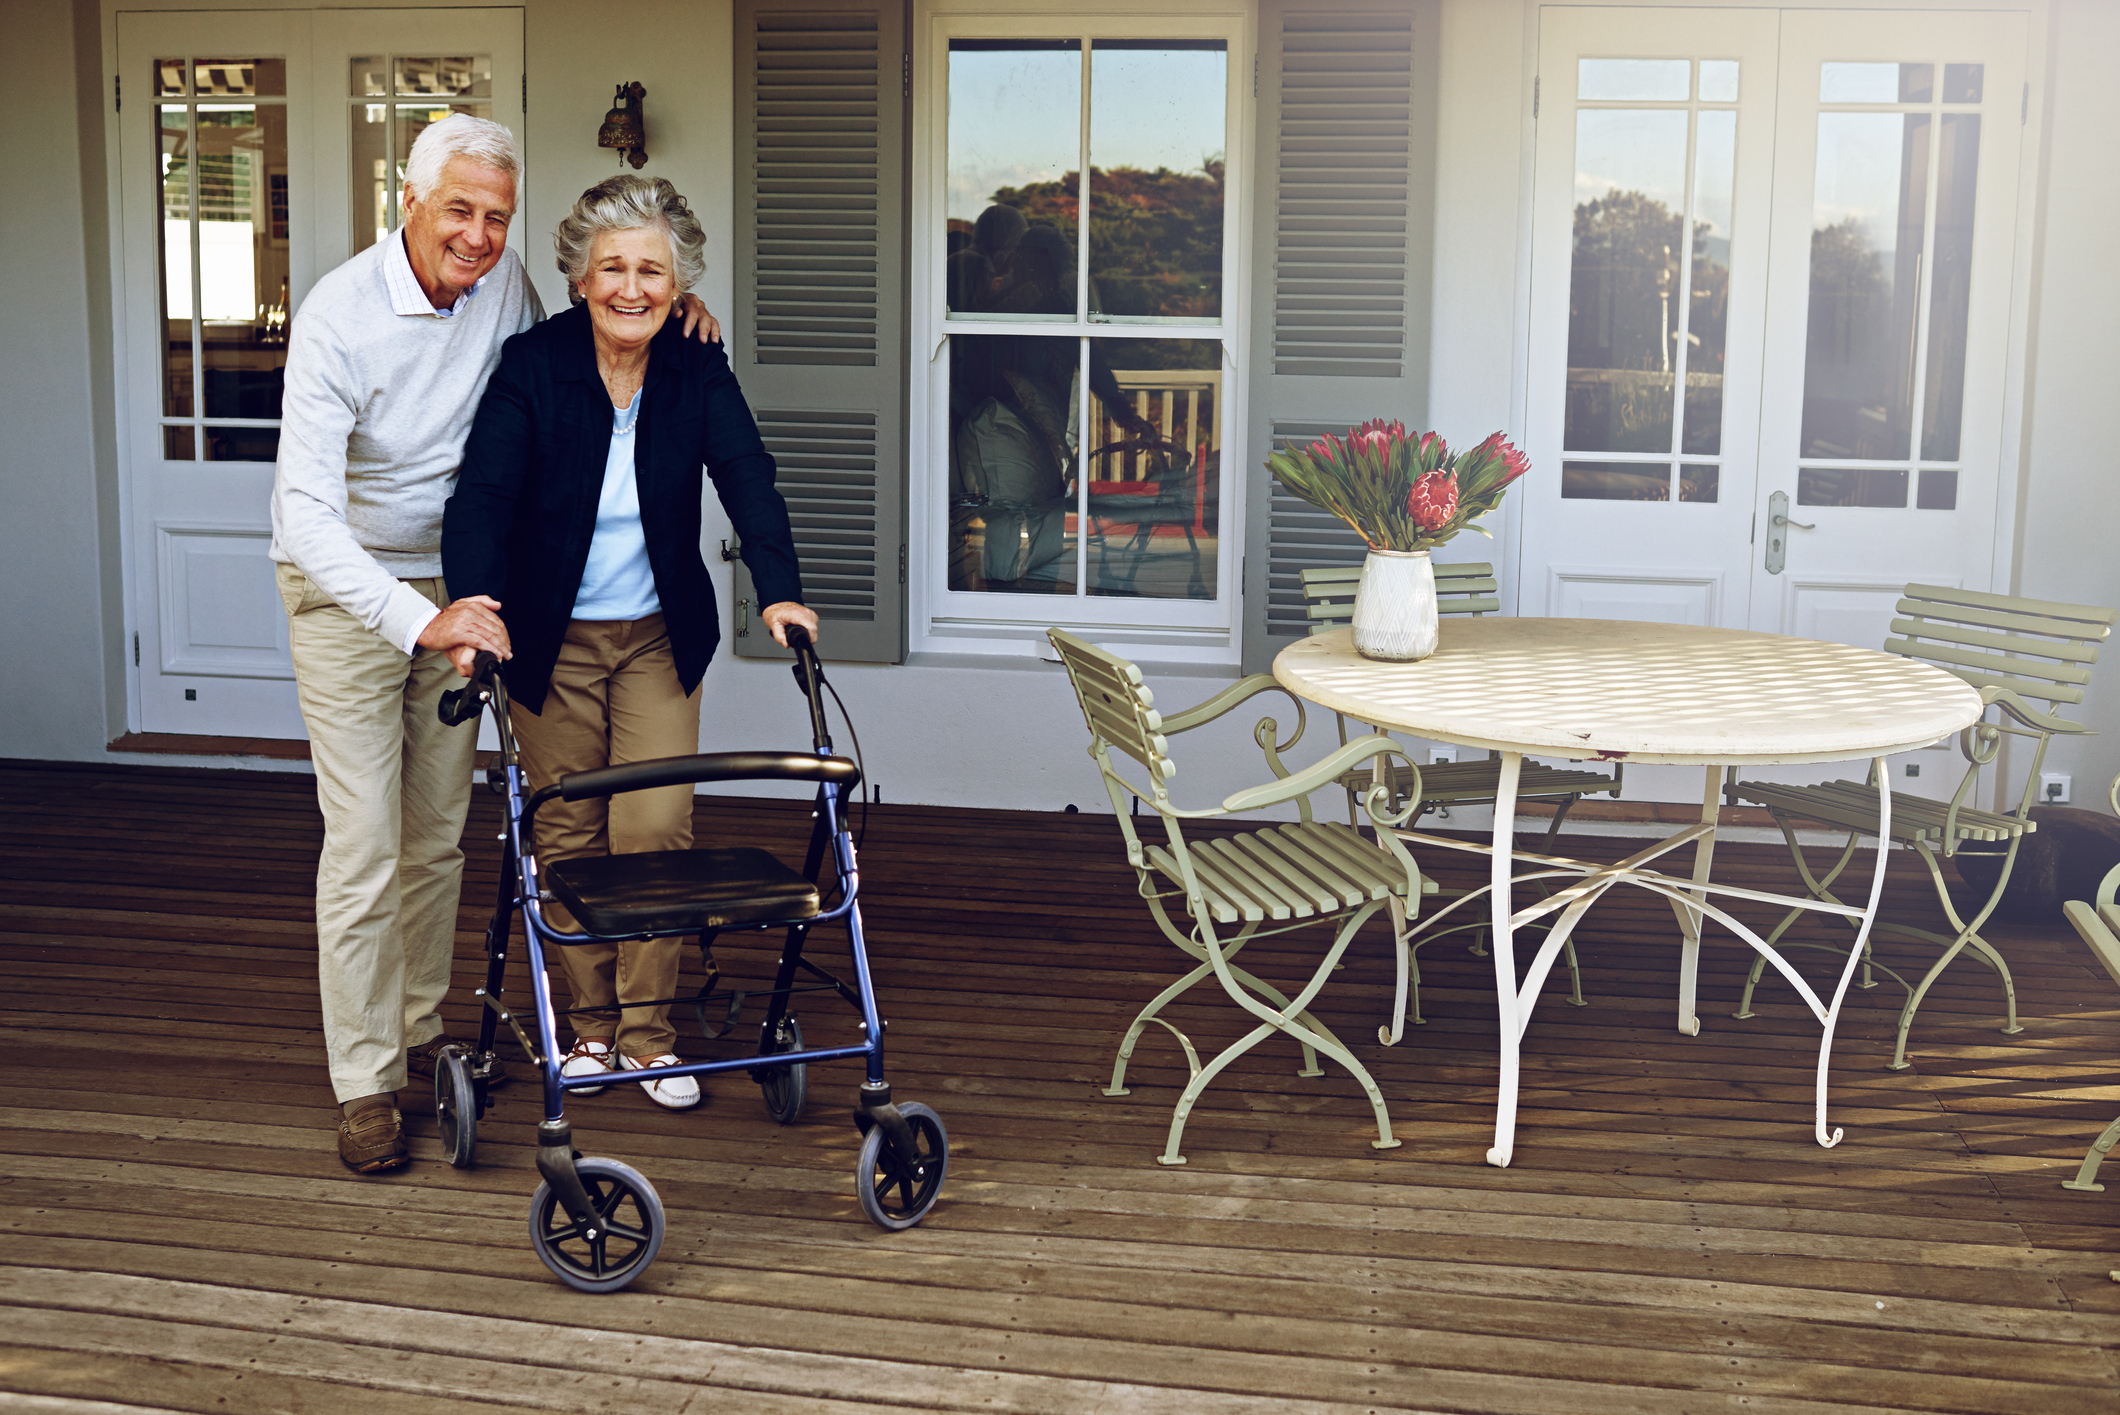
485,142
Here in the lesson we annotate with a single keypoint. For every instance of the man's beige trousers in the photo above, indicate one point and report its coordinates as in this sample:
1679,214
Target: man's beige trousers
394,784
614,698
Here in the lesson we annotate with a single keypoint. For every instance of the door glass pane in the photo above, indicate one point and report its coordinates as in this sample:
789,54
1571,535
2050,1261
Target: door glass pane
1014,176
169,78
1867,220
1875,83
1702,483
1708,298
251,78
372,195
174,165
1013,454
450,76
243,250
1718,81
1950,286
1615,481
1156,178
1937,491
1154,467
178,444
1962,83
1625,288
1851,486
1641,80
242,444
368,76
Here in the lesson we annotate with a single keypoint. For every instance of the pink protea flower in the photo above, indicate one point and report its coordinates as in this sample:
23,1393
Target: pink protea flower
1433,500
1378,437
1514,463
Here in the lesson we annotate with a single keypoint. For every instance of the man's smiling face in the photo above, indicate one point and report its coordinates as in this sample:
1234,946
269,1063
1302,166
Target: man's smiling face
456,232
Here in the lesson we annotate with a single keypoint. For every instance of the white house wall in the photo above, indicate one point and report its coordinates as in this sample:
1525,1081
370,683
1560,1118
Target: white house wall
940,732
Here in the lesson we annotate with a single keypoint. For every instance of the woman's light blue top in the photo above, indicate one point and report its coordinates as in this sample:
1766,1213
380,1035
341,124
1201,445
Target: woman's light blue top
618,582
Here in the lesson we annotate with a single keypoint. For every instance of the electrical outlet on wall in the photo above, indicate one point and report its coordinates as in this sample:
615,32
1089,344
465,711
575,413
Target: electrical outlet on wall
1441,755
2053,788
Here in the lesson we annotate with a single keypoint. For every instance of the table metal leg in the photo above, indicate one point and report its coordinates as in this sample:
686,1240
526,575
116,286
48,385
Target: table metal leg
1689,920
1502,864
1880,772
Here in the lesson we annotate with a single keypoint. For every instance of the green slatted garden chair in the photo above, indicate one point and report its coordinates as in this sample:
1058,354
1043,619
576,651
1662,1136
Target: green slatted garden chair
1212,896
2097,923
1468,588
2029,658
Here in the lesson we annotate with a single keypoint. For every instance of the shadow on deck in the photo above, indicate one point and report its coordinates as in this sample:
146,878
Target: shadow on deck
1668,1239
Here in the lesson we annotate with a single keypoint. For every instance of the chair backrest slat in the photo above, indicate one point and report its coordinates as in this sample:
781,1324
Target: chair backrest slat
1117,705
2038,649
1986,638
1468,587
2086,614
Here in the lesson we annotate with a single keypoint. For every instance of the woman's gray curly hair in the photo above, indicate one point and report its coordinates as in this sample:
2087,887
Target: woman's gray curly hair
630,203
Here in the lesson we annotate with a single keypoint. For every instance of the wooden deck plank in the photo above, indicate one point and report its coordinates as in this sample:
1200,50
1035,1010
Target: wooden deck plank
1669,1238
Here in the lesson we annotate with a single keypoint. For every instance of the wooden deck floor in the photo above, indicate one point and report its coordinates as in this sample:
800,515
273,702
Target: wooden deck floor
181,1235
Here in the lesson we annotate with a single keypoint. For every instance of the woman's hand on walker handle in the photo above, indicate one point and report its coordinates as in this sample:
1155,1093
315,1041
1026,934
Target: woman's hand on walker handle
464,629
777,617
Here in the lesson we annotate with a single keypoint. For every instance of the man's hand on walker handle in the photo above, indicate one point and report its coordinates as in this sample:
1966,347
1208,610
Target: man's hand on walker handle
464,629
777,617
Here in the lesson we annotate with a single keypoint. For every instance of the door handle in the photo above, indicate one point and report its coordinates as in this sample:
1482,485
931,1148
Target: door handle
1777,531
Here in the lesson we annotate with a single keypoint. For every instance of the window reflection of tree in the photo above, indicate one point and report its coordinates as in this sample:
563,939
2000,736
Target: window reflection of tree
1625,309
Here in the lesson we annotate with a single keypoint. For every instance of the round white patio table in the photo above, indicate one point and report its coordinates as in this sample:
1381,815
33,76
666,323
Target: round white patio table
1663,694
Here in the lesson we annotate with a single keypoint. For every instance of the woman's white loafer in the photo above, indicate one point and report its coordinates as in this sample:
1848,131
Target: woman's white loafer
672,1092
589,1058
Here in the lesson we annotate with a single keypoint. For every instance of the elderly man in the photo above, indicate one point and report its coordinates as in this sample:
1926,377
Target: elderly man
389,356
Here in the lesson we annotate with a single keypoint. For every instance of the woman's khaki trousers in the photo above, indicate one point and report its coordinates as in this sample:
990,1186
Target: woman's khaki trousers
614,698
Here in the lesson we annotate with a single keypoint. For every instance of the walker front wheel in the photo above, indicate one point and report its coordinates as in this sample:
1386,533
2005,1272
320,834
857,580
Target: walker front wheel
617,1245
896,1195
456,1106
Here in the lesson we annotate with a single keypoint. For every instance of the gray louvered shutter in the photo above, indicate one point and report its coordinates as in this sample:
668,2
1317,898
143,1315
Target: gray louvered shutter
819,328
1340,299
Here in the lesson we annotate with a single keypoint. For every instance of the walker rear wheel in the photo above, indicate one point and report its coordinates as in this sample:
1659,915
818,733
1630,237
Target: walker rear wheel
785,1088
617,1247
896,1196
456,1106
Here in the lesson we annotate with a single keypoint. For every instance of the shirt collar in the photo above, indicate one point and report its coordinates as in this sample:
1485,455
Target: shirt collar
406,296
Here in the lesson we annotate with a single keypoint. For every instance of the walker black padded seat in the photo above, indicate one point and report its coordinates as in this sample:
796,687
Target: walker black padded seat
692,890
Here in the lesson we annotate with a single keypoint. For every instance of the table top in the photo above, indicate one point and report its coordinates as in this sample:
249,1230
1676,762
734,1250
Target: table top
1602,689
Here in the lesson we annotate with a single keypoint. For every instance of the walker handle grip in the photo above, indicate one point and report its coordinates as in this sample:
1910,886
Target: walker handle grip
809,674
461,705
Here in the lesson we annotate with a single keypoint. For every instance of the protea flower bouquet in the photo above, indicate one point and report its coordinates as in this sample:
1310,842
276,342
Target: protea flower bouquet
1404,494
1400,491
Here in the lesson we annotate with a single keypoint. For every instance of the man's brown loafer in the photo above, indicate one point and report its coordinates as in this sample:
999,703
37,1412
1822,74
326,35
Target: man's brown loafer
372,1139
421,1060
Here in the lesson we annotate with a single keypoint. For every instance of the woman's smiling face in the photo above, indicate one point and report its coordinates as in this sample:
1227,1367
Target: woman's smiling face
631,284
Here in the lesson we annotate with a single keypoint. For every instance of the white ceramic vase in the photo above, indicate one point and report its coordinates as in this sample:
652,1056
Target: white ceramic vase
1394,606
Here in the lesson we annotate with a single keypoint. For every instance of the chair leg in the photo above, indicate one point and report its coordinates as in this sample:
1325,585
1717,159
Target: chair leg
1311,1037
2086,1178
1968,936
1141,1020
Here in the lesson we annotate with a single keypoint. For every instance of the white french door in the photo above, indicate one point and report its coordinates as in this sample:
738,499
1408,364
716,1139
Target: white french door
248,144
1888,313
1771,288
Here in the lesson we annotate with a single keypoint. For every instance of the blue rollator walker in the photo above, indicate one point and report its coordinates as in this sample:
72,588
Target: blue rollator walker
598,1223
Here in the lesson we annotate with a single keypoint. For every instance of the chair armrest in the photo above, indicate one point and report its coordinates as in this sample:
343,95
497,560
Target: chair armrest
2030,716
1318,775
1240,691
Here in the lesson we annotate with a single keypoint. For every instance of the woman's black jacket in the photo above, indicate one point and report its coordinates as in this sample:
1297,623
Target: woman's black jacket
519,524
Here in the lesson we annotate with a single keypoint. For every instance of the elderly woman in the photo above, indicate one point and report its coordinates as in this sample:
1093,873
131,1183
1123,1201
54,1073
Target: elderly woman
578,509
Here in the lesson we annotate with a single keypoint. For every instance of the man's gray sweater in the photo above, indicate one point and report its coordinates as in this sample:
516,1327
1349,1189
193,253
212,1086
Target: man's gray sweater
377,408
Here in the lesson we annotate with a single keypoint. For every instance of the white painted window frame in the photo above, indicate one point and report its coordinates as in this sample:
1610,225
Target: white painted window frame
943,621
